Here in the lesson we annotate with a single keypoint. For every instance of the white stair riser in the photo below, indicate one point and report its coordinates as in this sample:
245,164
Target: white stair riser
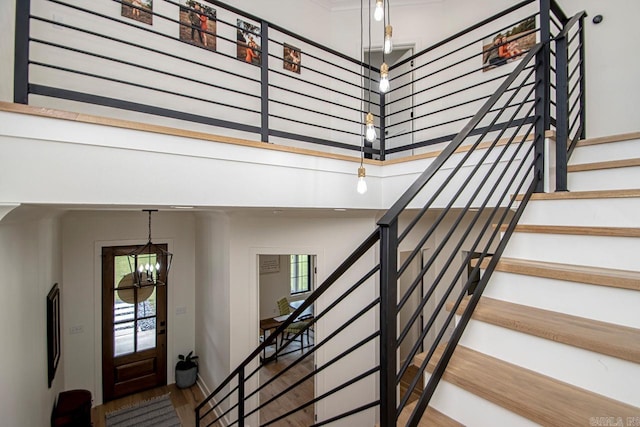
594,251
605,152
605,179
471,410
583,212
605,375
602,303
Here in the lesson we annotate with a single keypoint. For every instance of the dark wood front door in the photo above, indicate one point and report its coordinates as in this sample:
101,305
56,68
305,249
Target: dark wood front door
134,355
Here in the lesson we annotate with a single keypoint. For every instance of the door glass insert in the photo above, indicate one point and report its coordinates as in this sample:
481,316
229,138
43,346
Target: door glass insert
134,311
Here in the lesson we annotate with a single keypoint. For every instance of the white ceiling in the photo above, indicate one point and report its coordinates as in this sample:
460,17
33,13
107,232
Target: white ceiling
336,5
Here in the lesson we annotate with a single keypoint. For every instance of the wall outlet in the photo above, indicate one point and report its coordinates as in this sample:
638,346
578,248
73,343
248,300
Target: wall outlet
77,329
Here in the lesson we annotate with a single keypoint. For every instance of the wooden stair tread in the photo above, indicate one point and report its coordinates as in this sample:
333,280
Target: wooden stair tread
610,164
581,195
623,279
607,139
431,417
577,230
537,397
605,338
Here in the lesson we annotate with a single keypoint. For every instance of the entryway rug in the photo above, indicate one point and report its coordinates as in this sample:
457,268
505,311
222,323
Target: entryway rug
157,412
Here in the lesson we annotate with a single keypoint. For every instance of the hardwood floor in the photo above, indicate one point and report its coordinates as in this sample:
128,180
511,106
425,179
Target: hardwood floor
184,400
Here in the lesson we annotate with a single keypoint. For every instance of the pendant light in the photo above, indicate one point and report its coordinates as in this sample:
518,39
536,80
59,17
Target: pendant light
384,77
378,13
388,43
362,184
147,263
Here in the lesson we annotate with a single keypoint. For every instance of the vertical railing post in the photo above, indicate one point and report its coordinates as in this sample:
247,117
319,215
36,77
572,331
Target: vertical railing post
543,92
21,56
583,83
241,397
264,82
388,321
383,126
562,111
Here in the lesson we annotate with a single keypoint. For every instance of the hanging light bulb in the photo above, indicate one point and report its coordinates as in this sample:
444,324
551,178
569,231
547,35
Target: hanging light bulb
378,13
370,130
384,77
362,184
388,44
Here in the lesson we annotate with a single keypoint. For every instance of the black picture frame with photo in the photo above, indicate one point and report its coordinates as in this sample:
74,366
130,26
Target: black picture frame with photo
53,332
291,58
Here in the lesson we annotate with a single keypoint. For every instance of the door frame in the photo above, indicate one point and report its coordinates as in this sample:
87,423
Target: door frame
97,311
254,281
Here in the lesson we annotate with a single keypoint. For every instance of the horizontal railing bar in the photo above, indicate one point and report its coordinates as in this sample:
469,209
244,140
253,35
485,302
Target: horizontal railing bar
141,86
447,108
448,122
306,95
438,140
575,19
213,407
315,111
289,119
144,67
149,49
319,141
325,395
141,108
455,92
463,32
348,413
557,11
223,414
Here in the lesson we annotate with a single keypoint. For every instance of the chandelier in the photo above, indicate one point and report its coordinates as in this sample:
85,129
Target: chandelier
149,264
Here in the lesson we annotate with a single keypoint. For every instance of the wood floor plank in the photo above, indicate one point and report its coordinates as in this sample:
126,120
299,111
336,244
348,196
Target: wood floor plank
607,139
623,279
542,399
605,338
431,417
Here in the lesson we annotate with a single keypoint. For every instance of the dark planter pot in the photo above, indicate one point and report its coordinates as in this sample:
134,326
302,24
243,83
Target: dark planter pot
186,377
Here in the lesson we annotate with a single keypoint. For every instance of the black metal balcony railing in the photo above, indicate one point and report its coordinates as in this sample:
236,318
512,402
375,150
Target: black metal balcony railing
374,313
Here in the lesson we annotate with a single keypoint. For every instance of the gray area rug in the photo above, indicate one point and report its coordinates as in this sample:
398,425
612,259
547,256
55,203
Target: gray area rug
158,412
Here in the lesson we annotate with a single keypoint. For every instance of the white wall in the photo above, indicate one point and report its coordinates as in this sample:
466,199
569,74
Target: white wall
7,23
31,262
84,235
212,332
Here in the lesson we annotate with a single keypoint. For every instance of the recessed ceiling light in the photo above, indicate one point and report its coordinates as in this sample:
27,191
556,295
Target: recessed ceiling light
340,210
182,207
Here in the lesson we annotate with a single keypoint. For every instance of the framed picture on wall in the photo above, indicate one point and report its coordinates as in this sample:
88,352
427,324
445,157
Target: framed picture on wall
502,48
248,42
53,331
291,58
198,24
139,10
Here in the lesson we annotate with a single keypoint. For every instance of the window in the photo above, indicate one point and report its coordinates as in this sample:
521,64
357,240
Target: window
300,273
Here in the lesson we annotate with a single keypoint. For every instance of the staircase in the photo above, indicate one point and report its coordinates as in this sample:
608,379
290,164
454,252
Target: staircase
555,338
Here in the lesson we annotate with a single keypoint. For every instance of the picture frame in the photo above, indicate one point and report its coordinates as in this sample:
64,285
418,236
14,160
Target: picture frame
291,58
248,43
53,332
502,48
198,24
138,10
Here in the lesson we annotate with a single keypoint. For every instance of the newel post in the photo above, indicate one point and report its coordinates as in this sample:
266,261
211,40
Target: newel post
388,321
543,92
